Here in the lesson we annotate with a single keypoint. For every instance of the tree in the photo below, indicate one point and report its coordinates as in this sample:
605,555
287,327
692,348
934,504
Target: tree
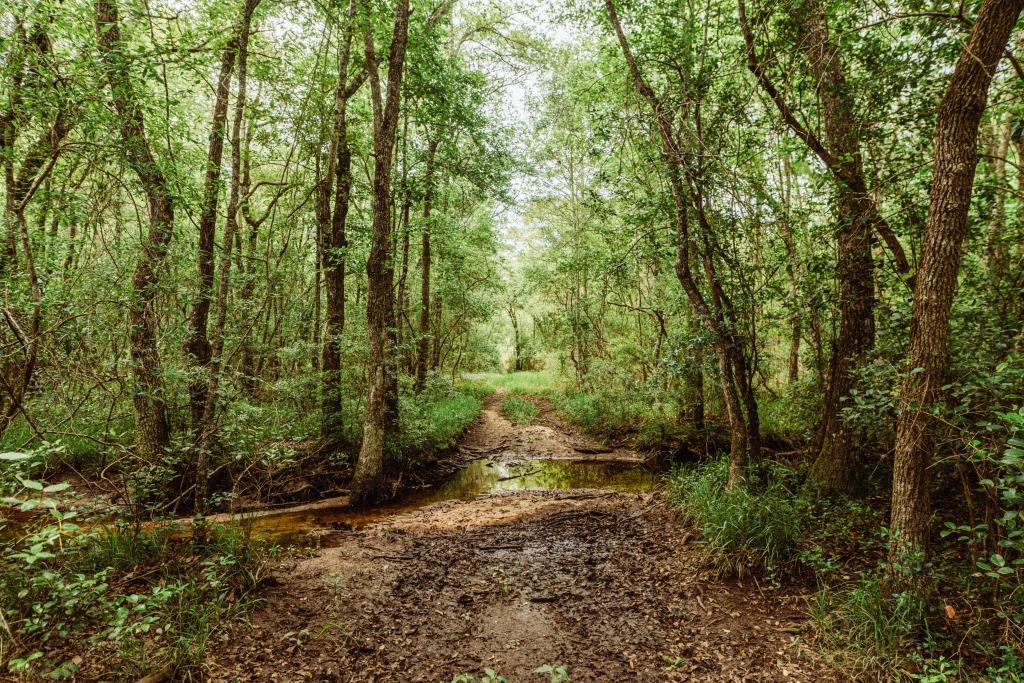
953,167
151,425
834,466
336,240
685,182
367,483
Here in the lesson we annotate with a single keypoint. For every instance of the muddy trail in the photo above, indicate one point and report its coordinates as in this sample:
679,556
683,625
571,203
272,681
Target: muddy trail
553,550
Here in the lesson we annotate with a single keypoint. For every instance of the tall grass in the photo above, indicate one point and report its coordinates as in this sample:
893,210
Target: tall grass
537,383
742,531
519,410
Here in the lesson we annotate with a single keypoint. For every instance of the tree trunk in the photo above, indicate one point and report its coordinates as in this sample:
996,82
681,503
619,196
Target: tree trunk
792,268
151,426
197,341
954,164
335,254
730,356
995,243
435,321
207,430
368,482
834,467
423,339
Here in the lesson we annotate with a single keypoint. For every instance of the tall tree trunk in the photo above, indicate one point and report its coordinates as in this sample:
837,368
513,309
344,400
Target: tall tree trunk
954,164
402,299
435,321
368,481
197,341
995,242
792,268
834,466
207,430
337,244
21,185
152,431
423,339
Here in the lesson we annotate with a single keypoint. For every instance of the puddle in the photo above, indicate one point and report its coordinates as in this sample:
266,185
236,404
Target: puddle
478,478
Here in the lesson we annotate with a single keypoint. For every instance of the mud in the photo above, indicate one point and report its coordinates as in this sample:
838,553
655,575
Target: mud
604,582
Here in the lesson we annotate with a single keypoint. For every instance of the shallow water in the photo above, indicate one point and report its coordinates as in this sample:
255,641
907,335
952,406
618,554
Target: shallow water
478,478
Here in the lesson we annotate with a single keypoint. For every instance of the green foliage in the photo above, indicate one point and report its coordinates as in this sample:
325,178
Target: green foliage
64,589
536,383
648,418
520,411
869,624
435,419
488,676
744,531
555,674
793,414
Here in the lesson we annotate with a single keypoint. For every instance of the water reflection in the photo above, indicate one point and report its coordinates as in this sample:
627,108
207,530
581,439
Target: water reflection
478,478
485,476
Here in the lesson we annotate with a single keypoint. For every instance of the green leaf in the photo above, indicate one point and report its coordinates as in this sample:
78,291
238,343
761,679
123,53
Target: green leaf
15,456
57,488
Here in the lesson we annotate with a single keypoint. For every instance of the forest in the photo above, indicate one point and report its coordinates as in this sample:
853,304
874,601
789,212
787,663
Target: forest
482,341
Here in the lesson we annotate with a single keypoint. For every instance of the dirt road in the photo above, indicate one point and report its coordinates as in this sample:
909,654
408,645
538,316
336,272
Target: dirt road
606,584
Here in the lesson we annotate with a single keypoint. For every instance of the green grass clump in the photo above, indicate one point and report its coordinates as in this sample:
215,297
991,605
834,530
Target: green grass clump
436,418
744,531
519,410
867,626
537,383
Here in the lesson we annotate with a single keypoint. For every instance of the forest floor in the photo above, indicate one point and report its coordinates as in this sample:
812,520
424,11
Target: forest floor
607,584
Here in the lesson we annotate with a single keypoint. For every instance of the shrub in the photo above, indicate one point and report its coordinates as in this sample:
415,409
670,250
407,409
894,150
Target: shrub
744,531
435,419
519,410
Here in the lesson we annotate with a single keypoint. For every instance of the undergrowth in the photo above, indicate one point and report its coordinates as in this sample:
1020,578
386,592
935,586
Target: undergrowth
519,410
128,598
743,530
933,621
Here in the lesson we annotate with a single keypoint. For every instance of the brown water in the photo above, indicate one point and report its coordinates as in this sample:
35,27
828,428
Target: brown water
479,478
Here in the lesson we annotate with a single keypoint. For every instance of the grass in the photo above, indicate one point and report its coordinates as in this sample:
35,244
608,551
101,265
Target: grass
537,383
648,418
743,531
432,423
519,410
868,628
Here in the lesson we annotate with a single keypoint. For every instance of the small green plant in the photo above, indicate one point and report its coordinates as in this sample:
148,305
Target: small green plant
489,676
673,663
65,589
501,579
743,531
556,674
939,670
519,410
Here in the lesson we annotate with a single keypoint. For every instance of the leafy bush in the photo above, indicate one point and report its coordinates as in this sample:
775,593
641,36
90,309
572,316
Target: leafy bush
65,589
519,410
435,419
744,531
793,414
